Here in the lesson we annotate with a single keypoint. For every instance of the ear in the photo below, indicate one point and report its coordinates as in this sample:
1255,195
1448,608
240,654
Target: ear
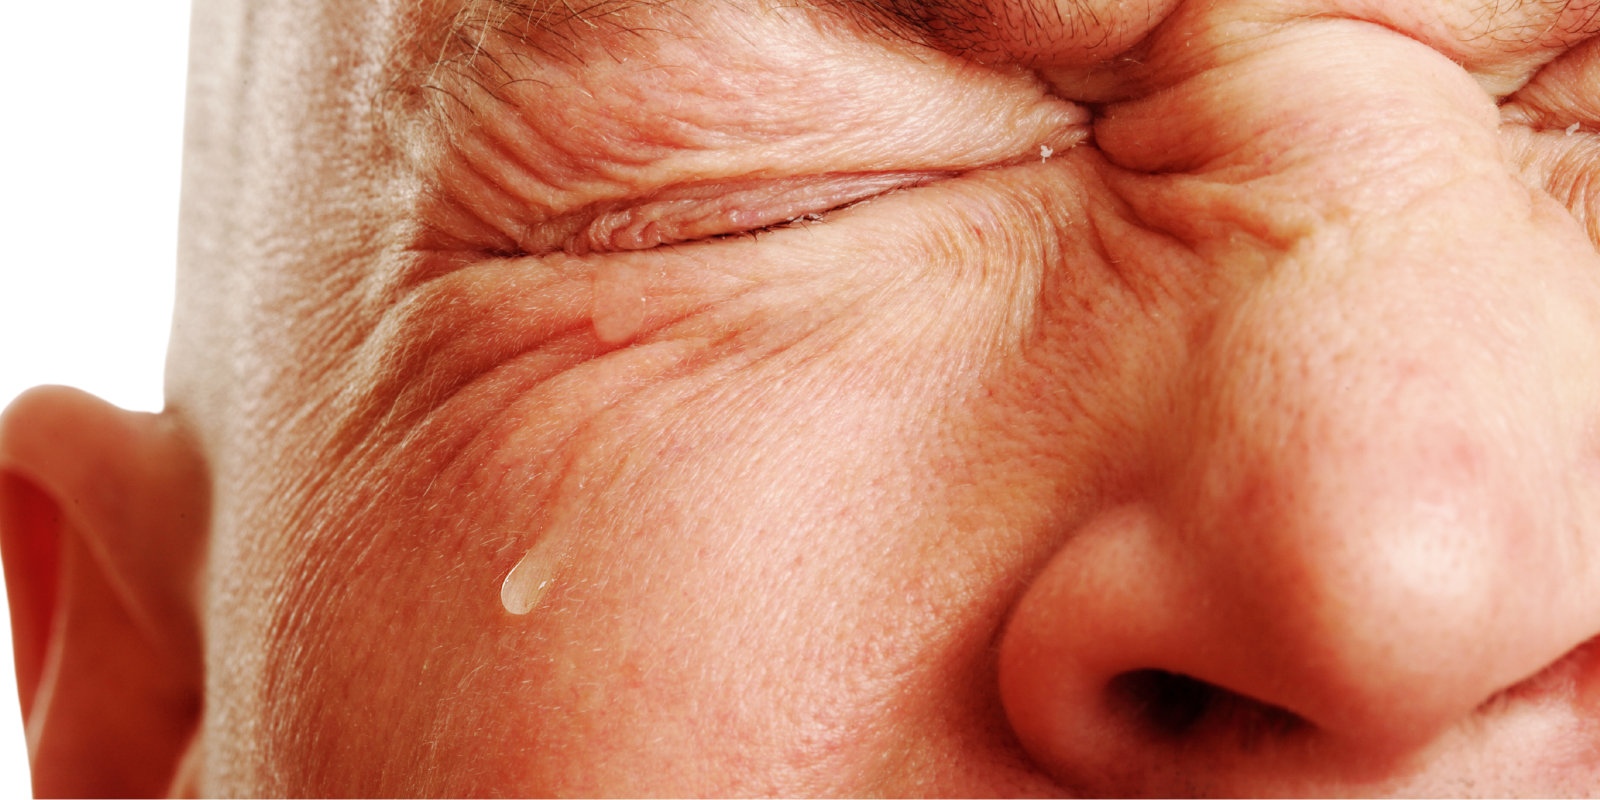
103,526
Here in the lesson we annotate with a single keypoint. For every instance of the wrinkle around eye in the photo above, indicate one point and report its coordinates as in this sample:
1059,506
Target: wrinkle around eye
704,212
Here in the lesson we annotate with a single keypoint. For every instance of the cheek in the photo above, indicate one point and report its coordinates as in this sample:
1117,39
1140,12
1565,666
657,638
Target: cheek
770,567
817,542
787,522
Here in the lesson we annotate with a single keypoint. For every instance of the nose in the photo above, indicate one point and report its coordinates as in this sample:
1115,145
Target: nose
1368,519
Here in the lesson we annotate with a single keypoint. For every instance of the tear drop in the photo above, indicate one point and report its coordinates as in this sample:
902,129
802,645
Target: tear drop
530,579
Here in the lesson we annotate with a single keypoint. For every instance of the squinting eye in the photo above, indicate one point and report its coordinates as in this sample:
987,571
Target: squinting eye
703,212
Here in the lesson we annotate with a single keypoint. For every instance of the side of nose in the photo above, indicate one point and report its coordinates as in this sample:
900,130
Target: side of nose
1369,513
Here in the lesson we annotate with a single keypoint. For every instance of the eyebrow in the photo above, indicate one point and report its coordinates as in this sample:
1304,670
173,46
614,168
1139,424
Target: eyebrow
449,49
960,26
956,25
903,16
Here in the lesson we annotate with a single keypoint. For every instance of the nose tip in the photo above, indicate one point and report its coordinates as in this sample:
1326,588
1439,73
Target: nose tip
1331,571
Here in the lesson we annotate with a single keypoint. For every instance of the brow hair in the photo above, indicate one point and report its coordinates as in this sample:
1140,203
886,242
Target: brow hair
449,56
453,57
968,28
959,25
449,63
965,26
554,28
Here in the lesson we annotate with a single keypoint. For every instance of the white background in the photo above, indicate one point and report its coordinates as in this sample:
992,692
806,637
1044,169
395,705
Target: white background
90,140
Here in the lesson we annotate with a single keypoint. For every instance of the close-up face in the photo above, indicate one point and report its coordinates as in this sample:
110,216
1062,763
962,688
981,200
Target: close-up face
863,397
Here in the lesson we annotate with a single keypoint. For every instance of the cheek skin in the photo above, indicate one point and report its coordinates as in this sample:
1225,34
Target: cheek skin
780,531
747,502
792,492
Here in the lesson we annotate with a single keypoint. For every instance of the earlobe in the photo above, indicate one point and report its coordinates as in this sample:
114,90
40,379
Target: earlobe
103,527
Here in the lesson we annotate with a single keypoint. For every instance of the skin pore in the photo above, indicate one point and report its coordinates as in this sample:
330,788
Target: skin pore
888,398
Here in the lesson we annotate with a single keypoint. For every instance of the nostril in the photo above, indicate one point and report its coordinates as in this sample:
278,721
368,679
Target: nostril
1166,702
1174,706
1563,679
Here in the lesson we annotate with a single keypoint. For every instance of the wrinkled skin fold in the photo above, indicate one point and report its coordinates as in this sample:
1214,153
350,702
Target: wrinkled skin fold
1007,397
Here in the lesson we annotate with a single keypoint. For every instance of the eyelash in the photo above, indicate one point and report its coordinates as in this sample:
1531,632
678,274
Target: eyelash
717,212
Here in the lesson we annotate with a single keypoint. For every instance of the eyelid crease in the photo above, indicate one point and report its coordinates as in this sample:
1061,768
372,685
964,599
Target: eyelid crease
701,212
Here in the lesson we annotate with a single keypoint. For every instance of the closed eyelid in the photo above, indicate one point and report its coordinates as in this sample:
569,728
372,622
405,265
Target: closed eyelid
701,212
608,155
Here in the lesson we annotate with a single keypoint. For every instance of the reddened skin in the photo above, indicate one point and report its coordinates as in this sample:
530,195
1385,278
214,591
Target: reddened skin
103,514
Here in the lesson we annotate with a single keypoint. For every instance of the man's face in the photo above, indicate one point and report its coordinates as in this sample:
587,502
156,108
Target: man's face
896,398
